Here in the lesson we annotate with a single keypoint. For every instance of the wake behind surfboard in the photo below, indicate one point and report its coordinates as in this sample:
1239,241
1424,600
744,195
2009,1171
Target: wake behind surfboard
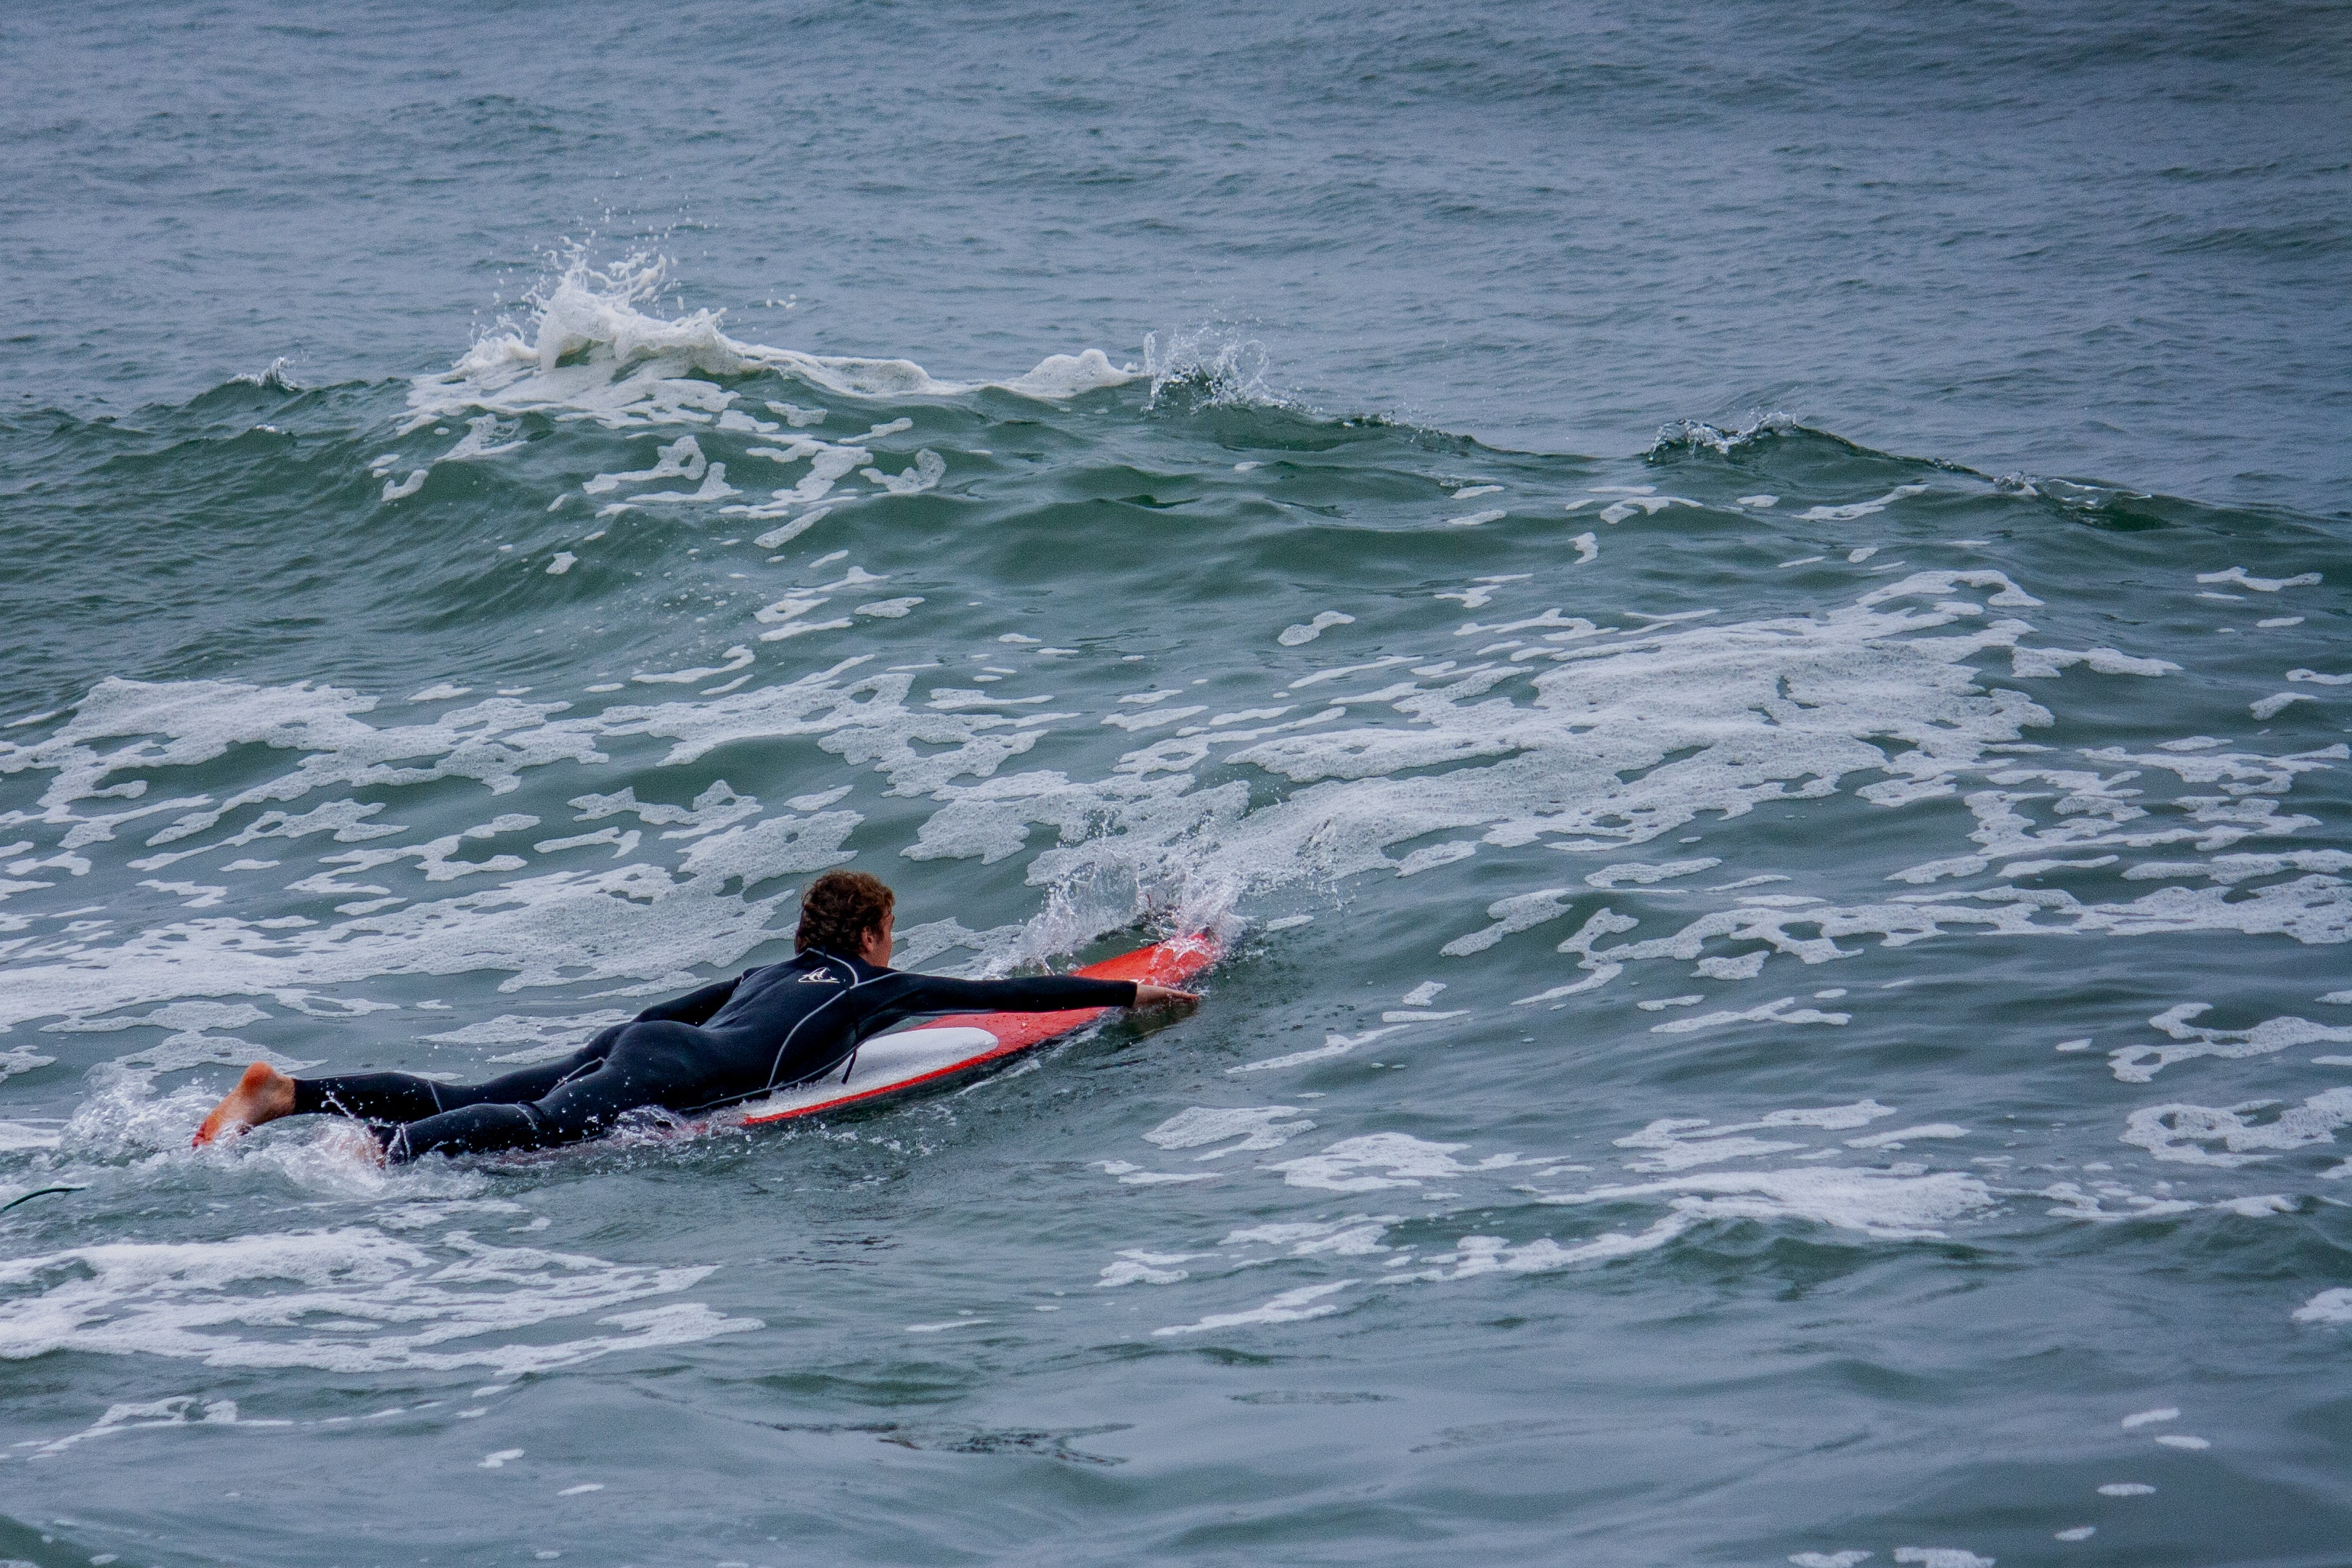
891,1065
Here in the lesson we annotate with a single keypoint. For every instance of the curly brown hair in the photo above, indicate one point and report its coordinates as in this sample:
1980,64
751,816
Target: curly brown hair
839,909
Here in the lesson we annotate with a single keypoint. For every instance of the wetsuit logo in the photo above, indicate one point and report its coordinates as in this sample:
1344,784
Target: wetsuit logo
818,977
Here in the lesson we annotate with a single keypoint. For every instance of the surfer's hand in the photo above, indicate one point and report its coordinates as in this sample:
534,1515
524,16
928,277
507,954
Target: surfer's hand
1155,995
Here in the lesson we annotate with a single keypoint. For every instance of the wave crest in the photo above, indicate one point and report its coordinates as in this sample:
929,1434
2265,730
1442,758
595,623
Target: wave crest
1697,435
594,346
1207,367
279,377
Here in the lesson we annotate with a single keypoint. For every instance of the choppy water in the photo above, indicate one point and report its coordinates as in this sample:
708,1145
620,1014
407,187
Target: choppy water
1786,1000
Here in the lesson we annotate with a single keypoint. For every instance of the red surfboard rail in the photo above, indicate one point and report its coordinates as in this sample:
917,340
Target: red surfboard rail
1170,962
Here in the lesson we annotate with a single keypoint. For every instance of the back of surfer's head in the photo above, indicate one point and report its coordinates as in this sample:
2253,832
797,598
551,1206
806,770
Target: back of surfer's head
839,909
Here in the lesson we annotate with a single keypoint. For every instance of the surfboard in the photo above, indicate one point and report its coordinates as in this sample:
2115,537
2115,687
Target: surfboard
893,1064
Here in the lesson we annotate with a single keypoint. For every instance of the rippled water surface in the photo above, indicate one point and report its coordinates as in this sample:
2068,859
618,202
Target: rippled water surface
1784,1002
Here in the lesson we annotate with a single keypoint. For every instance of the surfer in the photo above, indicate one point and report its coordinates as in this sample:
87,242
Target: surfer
769,1028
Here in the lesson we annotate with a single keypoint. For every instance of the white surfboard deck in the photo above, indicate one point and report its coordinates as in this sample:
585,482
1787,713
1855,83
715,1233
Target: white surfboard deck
888,1063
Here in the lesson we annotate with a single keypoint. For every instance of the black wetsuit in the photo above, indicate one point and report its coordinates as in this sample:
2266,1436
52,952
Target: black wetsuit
769,1028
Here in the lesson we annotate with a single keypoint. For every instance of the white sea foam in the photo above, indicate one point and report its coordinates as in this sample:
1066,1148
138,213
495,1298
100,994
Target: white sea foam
539,1040
1477,1254
2260,585
1137,1266
123,1119
17,1137
1899,1136
1521,911
678,459
350,1300
1237,1129
2231,869
189,1041
1617,741
1643,499
1295,637
1356,1235
2140,1064
587,921
1676,1143
180,1410
2178,1131
1784,1011
1881,1204
1860,509
1380,1159
1643,874
737,658
1133,1175
555,928
1435,856
1332,1046
1070,376
1290,1306
21,1059
1482,591
924,474
592,351
1559,775
2311,910
2074,1203
2328,1307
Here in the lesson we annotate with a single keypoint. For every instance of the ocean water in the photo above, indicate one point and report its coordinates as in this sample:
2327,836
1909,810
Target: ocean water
1738,618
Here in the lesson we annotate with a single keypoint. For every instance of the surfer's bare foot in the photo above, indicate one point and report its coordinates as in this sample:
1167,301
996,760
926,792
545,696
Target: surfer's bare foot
1157,996
263,1094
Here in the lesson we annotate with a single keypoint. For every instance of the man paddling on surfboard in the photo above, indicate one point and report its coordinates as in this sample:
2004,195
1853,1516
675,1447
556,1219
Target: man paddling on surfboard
769,1028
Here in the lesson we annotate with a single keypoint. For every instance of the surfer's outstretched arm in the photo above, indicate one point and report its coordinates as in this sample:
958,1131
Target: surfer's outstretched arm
907,995
1038,993
1058,992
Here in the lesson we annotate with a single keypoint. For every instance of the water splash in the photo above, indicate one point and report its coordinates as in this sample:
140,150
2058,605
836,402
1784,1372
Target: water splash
1210,366
1697,435
593,344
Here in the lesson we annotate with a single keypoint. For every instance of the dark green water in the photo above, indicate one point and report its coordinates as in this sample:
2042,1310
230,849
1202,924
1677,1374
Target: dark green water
1785,1001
